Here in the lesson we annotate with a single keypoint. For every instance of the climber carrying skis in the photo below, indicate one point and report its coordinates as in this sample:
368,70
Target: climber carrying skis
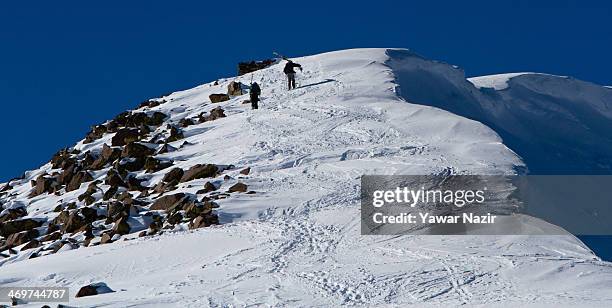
254,92
291,73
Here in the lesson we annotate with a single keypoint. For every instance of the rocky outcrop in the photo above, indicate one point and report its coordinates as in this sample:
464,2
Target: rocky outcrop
19,225
199,171
234,88
168,202
125,136
248,67
78,179
238,187
93,289
218,98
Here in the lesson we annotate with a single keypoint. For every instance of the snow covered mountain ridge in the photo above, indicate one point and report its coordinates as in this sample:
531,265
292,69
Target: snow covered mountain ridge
136,203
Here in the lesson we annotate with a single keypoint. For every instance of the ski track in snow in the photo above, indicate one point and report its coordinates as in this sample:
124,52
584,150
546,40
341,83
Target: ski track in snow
297,242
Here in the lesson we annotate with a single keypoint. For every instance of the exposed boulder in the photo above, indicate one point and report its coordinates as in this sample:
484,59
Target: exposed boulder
149,103
175,134
248,67
131,164
166,148
238,187
184,122
32,244
108,155
94,289
199,171
106,238
217,98
153,165
204,220
134,184
168,202
121,226
22,237
110,193
156,119
136,150
11,214
78,179
215,113
74,223
117,210
114,179
95,133
174,175
44,184
19,225
125,136
245,171
208,187
59,158
234,88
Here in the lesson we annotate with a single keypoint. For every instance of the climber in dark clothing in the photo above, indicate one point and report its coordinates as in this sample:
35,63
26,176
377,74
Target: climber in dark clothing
291,73
254,92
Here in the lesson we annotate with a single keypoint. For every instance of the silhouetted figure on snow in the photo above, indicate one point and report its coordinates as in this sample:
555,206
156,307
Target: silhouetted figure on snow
291,73
254,92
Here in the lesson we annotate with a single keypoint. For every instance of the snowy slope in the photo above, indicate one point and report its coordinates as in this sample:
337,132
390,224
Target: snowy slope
558,125
296,242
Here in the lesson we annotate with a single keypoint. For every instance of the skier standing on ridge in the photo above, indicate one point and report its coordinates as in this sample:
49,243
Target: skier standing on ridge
254,93
291,73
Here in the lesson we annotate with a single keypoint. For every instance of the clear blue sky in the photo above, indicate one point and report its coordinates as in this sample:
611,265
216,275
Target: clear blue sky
66,65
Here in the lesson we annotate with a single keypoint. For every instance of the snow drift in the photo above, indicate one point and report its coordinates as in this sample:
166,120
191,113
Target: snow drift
295,241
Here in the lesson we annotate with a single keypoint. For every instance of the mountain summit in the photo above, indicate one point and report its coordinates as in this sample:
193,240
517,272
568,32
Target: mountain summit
193,199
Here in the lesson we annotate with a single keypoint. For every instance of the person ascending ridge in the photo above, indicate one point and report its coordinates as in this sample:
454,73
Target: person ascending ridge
291,73
254,92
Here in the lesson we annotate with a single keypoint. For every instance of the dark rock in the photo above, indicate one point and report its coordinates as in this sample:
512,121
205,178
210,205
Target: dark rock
134,184
44,184
121,226
90,214
175,218
131,164
217,98
95,133
215,113
108,155
59,158
199,171
125,136
245,171
234,88
156,119
238,187
118,209
77,180
93,289
19,225
12,214
110,193
166,148
173,175
168,202
186,122
32,244
74,223
22,237
54,236
106,238
136,150
154,165
204,220
208,187
248,67
114,179
175,134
